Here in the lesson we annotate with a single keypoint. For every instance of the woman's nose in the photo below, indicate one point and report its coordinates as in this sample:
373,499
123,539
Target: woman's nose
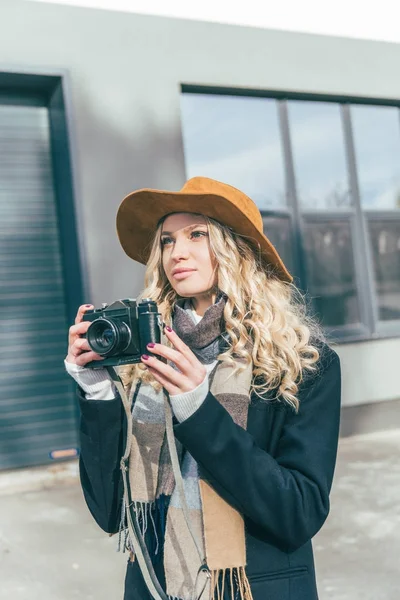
180,250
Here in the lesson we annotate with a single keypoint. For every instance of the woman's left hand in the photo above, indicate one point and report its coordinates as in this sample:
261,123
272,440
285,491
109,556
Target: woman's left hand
191,371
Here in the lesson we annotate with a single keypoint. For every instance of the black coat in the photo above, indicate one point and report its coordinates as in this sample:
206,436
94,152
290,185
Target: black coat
278,474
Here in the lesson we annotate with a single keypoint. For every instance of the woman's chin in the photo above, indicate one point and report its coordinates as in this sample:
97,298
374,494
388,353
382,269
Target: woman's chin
188,291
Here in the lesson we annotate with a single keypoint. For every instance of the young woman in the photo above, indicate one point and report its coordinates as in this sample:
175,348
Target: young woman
255,394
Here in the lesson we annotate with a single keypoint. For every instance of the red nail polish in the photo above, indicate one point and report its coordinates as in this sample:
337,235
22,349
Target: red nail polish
168,329
145,357
151,345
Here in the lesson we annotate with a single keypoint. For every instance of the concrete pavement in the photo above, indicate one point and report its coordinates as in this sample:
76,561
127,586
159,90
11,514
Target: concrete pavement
357,552
51,549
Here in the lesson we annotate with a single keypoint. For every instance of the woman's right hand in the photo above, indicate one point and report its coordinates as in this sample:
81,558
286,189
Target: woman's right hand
79,351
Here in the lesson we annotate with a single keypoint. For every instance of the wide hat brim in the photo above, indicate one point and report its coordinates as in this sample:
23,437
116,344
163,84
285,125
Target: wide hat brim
141,211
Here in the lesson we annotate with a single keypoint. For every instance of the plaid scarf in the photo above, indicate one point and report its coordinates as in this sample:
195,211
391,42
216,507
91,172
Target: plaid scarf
219,528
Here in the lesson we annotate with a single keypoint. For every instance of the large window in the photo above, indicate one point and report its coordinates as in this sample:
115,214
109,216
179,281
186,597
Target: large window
326,178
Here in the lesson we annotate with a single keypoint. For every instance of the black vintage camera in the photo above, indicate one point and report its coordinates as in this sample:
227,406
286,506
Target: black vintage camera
121,331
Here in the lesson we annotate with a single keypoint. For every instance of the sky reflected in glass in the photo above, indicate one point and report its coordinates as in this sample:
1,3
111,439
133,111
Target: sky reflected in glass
319,155
235,139
376,131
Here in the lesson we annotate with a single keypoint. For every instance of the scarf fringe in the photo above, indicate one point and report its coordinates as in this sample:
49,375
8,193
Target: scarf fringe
148,514
238,583
123,530
155,511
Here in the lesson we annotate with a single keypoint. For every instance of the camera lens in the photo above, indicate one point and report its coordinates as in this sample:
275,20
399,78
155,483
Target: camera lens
107,337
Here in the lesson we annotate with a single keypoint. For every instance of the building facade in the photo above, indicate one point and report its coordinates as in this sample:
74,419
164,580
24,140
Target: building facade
94,104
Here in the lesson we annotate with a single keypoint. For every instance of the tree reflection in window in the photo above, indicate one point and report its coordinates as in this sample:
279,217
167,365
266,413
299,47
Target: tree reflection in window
385,242
331,272
277,230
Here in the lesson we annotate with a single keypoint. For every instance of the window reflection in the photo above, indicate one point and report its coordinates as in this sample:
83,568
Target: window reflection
319,155
385,240
330,271
277,230
236,140
376,131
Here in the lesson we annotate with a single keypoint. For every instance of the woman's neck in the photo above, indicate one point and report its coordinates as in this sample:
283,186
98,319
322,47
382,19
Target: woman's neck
201,303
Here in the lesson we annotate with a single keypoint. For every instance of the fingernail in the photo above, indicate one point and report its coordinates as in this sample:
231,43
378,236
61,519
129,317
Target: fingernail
88,305
151,345
168,329
145,357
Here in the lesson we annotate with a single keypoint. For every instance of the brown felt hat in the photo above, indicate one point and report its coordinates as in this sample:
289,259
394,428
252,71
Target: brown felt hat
140,212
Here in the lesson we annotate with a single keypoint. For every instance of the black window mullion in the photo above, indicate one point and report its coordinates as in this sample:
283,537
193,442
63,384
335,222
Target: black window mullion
292,199
362,251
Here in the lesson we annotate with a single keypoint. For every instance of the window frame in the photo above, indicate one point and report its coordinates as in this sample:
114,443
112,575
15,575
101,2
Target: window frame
370,327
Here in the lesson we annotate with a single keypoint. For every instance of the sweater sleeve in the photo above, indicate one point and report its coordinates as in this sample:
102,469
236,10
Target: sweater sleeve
286,494
96,383
184,405
102,439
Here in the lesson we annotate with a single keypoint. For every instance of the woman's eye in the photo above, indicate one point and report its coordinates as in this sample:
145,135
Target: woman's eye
198,234
166,240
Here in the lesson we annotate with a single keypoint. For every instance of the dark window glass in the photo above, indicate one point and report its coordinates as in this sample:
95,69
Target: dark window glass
385,241
376,131
330,270
277,230
235,139
319,155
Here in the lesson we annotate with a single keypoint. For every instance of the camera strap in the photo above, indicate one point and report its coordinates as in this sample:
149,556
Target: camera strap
141,552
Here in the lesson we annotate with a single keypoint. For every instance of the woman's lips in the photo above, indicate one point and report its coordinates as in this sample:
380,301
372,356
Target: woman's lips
182,274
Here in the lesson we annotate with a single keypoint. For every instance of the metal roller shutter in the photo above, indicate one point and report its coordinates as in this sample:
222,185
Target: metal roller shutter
37,409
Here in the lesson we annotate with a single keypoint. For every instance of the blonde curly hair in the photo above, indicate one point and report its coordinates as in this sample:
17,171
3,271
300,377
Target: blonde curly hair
265,318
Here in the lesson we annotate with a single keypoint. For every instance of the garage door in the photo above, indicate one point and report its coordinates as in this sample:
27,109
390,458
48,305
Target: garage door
37,408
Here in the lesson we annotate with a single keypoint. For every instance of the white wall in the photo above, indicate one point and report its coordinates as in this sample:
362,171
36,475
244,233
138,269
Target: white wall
370,371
